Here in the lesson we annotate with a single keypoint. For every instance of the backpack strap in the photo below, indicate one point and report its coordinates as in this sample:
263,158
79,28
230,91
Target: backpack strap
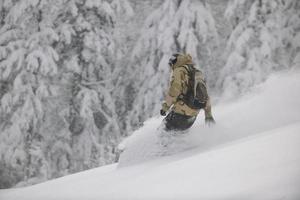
182,96
188,68
191,72
190,90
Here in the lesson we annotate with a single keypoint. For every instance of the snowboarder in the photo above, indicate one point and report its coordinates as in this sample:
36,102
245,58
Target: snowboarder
186,96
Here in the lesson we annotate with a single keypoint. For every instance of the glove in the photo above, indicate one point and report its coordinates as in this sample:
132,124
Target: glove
164,109
162,112
209,121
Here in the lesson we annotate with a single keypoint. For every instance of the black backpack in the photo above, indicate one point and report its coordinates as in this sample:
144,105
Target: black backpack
196,96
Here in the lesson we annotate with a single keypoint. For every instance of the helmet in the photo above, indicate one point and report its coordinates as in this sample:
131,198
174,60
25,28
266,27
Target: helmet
173,59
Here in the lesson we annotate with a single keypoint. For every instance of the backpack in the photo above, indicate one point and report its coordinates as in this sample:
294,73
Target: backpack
196,96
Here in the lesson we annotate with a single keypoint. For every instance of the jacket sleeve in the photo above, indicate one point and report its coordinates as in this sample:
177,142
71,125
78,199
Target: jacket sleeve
176,87
207,109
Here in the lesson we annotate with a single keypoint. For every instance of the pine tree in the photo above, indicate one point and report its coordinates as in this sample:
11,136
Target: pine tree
28,67
264,39
58,74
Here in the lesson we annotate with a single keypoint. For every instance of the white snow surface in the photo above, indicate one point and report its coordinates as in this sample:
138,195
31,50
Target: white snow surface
251,153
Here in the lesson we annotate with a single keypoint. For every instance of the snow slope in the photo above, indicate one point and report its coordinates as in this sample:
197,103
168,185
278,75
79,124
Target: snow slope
252,153
274,104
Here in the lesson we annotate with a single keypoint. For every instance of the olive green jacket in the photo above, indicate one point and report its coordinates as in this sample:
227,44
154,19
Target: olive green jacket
179,85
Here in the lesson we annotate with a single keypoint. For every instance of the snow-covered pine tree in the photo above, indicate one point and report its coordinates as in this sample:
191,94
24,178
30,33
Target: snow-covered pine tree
265,38
28,66
93,119
58,74
176,26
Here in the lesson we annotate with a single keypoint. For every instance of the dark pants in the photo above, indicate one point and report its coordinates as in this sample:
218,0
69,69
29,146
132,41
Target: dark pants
178,122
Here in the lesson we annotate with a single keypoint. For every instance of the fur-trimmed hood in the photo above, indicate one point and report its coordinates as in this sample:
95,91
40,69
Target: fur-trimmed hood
183,59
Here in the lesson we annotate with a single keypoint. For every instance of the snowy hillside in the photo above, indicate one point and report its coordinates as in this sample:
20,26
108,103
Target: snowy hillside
79,76
252,153
273,104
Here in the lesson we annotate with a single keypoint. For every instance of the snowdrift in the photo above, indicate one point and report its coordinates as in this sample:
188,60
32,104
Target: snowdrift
252,153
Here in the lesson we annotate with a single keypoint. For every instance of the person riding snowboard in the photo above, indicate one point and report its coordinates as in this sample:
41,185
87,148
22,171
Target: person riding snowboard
186,96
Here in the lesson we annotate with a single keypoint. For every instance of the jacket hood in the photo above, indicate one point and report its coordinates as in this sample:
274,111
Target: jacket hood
183,59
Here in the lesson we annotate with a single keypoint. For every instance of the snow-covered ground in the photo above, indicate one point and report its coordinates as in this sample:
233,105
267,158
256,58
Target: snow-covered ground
252,153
